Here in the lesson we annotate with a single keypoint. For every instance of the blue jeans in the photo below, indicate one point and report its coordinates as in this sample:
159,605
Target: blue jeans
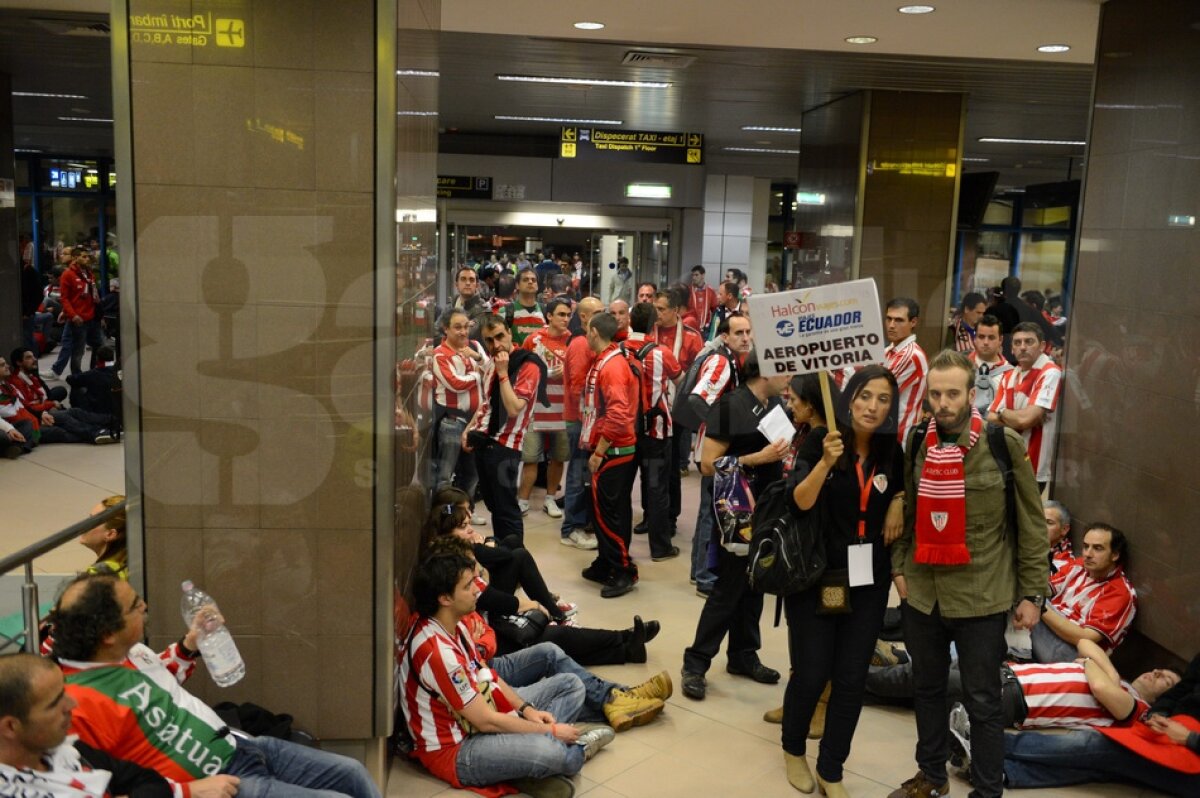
1079,757
526,667
575,492
75,339
492,758
446,458
981,649
272,768
704,577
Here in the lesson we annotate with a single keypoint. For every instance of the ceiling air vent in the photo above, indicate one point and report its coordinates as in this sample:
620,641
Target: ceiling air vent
645,58
73,27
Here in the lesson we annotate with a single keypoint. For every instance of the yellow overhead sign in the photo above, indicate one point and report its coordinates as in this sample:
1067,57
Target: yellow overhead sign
187,30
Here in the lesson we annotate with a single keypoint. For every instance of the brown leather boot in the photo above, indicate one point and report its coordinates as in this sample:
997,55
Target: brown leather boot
816,726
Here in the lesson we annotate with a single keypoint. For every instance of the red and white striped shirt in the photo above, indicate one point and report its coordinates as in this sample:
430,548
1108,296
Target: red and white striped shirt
457,378
718,375
512,434
906,360
1038,386
1057,694
1106,605
439,675
553,351
658,368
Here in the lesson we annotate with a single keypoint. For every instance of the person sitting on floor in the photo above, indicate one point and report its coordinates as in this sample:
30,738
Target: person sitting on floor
1092,599
126,693
620,706
37,757
469,727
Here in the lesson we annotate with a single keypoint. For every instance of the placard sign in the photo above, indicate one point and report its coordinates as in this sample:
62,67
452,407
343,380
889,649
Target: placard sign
818,329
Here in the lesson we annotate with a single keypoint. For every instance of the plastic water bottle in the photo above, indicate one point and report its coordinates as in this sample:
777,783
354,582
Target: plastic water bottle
221,655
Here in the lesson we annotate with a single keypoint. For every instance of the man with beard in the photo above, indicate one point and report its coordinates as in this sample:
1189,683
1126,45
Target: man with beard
959,563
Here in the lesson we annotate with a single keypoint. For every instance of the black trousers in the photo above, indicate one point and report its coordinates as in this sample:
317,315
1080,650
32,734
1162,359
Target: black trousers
731,609
981,651
611,512
654,461
519,569
499,469
588,647
829,648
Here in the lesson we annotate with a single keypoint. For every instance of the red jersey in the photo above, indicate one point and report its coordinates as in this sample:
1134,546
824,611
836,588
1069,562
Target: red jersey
1105,605
32,392
512,434
1057,694
658,367
1039,386
77,288
906,360
702,302
439,675
578,360
684,343
608,402
552,350
458,378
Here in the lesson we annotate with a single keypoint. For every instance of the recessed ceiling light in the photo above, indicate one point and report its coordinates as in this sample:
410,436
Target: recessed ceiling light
419,73
50,95
558,120
589,25
83,119
1054,48
768,129
994,140
975,160
763,150
861,39
22,149
416,113
916,9
633,84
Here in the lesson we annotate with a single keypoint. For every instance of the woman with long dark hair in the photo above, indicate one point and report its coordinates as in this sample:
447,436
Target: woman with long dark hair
855,480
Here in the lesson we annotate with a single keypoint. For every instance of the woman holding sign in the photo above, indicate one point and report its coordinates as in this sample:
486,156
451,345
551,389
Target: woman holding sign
857,475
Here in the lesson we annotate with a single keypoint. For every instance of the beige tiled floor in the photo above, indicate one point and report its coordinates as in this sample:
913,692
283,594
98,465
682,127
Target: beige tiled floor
716,747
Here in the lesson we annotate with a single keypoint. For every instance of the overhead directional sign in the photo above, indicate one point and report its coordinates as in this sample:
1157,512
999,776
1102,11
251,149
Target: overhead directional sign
646,146
817,329
464,187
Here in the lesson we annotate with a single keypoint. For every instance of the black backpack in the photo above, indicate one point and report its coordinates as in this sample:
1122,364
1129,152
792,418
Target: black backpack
787,545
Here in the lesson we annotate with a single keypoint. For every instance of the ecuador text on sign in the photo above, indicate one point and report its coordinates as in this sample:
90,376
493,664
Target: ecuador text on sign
816,329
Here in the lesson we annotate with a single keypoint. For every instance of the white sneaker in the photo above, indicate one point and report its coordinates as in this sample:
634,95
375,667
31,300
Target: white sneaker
582,540
524,505
478,520
960,739
593,737
550,508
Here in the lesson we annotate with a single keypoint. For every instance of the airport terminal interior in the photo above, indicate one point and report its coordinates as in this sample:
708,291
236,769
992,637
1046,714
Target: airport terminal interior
275,197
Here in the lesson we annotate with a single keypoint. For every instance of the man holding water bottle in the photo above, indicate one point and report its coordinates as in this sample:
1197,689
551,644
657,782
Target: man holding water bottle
131,704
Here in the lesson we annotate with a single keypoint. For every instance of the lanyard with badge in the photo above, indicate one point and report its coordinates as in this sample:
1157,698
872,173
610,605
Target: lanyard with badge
859,553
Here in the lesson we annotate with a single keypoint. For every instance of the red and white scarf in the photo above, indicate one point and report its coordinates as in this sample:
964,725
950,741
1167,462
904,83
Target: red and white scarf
942,500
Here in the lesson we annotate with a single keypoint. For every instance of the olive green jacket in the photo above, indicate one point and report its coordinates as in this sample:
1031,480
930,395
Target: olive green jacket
986,585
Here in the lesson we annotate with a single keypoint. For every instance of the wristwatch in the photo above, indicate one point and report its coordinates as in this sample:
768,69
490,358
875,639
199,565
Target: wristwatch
1039,601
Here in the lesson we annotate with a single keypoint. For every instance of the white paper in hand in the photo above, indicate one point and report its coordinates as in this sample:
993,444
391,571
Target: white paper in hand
775,426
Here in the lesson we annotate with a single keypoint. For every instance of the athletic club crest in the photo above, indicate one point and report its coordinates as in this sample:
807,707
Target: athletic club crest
939,520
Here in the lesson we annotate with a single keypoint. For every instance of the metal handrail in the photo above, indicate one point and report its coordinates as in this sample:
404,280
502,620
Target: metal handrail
26,556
